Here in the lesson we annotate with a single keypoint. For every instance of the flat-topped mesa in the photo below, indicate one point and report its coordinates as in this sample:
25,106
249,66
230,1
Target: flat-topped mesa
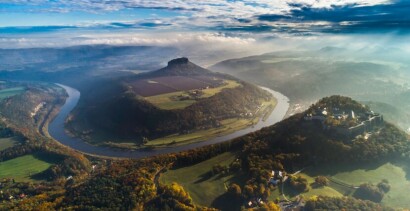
178,61
180,67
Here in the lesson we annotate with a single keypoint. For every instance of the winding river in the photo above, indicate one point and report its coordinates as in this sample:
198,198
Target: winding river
57,131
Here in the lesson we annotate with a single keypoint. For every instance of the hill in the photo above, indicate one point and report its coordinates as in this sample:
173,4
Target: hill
304,148
302,156
179,103
307,76
264,167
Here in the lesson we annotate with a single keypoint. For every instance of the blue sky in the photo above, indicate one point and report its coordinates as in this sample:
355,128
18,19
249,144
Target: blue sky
22,20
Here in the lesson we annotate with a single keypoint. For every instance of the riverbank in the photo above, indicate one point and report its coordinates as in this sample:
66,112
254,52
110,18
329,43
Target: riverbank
57,131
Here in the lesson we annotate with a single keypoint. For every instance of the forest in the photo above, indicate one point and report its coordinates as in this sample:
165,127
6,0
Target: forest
286,146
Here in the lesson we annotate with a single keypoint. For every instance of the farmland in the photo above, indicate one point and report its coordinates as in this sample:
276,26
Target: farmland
355,175
164,85
8,142
24,167
183,99
8,92
201,185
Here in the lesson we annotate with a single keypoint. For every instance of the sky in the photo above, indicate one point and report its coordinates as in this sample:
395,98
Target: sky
50,23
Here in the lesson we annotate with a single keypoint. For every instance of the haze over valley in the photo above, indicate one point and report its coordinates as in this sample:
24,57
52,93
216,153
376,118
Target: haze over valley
194,105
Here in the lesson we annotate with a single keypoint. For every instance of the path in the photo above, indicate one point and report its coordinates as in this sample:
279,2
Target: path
284,180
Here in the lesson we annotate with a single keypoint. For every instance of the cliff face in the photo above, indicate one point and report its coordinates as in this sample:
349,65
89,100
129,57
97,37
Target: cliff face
180,66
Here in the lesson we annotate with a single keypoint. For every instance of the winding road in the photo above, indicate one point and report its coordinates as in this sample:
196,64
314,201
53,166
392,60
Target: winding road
57,131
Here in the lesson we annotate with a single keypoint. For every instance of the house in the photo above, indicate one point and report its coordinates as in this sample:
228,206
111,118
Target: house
276,177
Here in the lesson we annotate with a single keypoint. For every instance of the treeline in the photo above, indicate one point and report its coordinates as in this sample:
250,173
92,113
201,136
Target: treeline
124,185
344,203
342,103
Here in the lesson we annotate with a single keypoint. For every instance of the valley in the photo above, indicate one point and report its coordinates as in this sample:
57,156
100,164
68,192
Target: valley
306,76
222,105
57,130
179,104
239,159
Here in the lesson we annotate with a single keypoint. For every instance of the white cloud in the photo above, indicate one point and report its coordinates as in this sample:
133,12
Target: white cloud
205,47
238,9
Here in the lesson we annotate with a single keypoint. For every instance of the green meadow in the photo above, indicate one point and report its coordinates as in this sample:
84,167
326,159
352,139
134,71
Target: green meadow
203,188
24,168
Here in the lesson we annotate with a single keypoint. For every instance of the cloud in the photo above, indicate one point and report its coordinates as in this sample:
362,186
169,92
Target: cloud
349,18
295,17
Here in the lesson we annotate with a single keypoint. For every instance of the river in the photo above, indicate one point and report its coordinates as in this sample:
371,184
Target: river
57,131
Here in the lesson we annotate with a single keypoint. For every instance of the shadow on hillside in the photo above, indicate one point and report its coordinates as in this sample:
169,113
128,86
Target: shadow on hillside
204,177
226,202
49,158
405,166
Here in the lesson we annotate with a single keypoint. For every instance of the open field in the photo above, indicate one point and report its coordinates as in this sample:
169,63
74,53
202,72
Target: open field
4,93
291,194
169,101
24,167
164,85
8,142
202,187
165,101
324,191
399,194
354,175
229,84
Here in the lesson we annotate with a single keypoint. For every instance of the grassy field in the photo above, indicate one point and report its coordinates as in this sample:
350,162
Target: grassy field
397,197
24,167
4,93
327,190
399,194
213,91
166,101
8,142
204,189
291,194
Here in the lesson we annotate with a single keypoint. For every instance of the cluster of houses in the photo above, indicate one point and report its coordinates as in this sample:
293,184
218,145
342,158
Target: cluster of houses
255,202
5,195
277,177
365,122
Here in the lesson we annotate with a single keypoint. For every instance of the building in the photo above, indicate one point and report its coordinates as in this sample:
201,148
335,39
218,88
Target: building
366,122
